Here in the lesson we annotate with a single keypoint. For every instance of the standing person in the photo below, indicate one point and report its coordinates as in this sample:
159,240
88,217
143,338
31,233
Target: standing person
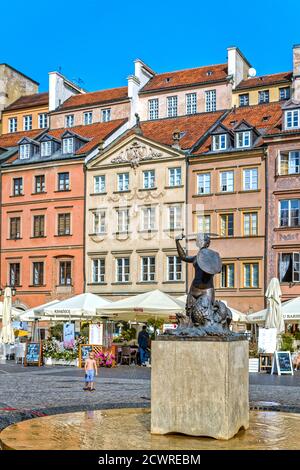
90,369
143,341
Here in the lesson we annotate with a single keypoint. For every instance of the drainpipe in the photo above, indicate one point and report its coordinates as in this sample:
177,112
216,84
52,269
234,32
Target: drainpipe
186,219
84,227
266,220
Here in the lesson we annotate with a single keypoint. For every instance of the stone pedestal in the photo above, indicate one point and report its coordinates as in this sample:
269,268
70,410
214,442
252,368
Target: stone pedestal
199,386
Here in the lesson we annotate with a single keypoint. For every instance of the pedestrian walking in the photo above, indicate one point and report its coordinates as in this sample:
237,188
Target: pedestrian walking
91,370
143,341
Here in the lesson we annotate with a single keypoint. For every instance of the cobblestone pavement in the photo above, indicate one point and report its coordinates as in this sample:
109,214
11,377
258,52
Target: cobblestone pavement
30,392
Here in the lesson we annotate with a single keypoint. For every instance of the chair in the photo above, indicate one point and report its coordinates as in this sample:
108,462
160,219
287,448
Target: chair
125,355
133,355
20,352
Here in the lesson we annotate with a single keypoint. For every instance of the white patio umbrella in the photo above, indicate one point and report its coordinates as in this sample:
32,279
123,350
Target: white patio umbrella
36,313
274,317
141,307
7,333
79,307
14,312
290,312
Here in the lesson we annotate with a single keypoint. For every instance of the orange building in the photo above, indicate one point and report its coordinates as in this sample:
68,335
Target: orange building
42,233
26,113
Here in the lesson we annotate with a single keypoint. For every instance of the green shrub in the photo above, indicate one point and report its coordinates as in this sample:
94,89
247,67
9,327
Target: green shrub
287,342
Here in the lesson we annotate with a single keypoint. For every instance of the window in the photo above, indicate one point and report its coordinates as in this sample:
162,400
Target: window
17,186
203,223
191,103
69,120
250,179
68,145
99,222
210,101
12,124
244,99
227,276
123,181
63,181
24,151
64,224
175,217
172,106
289,163
175,176
123,220
99,184
106,115
148,179
153,109
14,274
226,181
148,269
148,218
38,273
65,273
43,121
98,270
226,225
122,270
39,226
46,148
292,119
251,279
289,267
289,212
174,268
39,183
87,118
250,223
284,93
243,139
219,142
15,228
203,183
263,96
27,122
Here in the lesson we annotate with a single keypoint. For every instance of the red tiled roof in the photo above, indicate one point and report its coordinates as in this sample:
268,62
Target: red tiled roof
262,117
11,140
265,80
95,97
192,127
95,132
29,101
182,78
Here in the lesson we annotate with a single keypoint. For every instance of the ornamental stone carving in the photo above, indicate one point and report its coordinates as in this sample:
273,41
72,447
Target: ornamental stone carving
135,154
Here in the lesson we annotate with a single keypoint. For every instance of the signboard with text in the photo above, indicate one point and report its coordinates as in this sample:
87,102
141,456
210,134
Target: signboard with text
282,363
267,340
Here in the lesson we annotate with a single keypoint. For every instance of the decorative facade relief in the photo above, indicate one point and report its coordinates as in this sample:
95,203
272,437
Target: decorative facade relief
135,154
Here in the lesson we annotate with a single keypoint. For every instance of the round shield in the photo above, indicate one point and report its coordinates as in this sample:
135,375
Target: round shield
209,261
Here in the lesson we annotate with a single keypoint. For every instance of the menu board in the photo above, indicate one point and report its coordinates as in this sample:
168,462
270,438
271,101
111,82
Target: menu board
282,363
33,355
96,333
84,352
267,340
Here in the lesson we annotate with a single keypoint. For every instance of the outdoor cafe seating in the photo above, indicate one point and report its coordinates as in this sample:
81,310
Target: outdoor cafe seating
127,355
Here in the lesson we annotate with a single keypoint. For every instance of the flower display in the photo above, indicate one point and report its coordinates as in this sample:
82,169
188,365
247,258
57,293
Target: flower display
105,359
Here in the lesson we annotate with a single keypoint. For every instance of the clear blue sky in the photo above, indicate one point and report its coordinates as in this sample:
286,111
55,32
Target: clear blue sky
97,40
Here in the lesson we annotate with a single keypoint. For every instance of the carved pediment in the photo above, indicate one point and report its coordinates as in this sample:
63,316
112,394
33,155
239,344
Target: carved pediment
135,153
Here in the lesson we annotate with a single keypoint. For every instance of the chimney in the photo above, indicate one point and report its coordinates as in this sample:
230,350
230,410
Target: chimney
60,89
238,65
296,72
142,74
176,139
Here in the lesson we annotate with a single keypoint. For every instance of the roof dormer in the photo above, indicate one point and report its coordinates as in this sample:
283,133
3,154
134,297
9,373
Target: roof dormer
291,115
49,145
71,142
27,148
244,135
221,138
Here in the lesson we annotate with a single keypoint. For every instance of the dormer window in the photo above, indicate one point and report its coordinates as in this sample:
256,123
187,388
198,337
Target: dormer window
24,151
243,139
68,145
219,142
292,119
46,148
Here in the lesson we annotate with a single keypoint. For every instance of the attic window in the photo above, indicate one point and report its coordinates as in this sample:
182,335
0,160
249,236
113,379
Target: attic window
181,134
209,73
233,123
266,118
168,79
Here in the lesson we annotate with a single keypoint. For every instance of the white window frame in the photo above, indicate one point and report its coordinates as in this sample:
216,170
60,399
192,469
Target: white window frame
203,223
244,99
98,270
174,274
148,218
191,103
123,220
294,119
106,115
264,96
12,124
293,168
122,263
43,120
175,217
289,209
251,277
227,181
175,176
245,141
210,101
149,179
172,106
123,181
253,179
286,91
229,276
69,120
27,122
205,186
99,184
46,148
25,151
219,142
248,225
153,109
87,118
68,145
147,272
99,222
